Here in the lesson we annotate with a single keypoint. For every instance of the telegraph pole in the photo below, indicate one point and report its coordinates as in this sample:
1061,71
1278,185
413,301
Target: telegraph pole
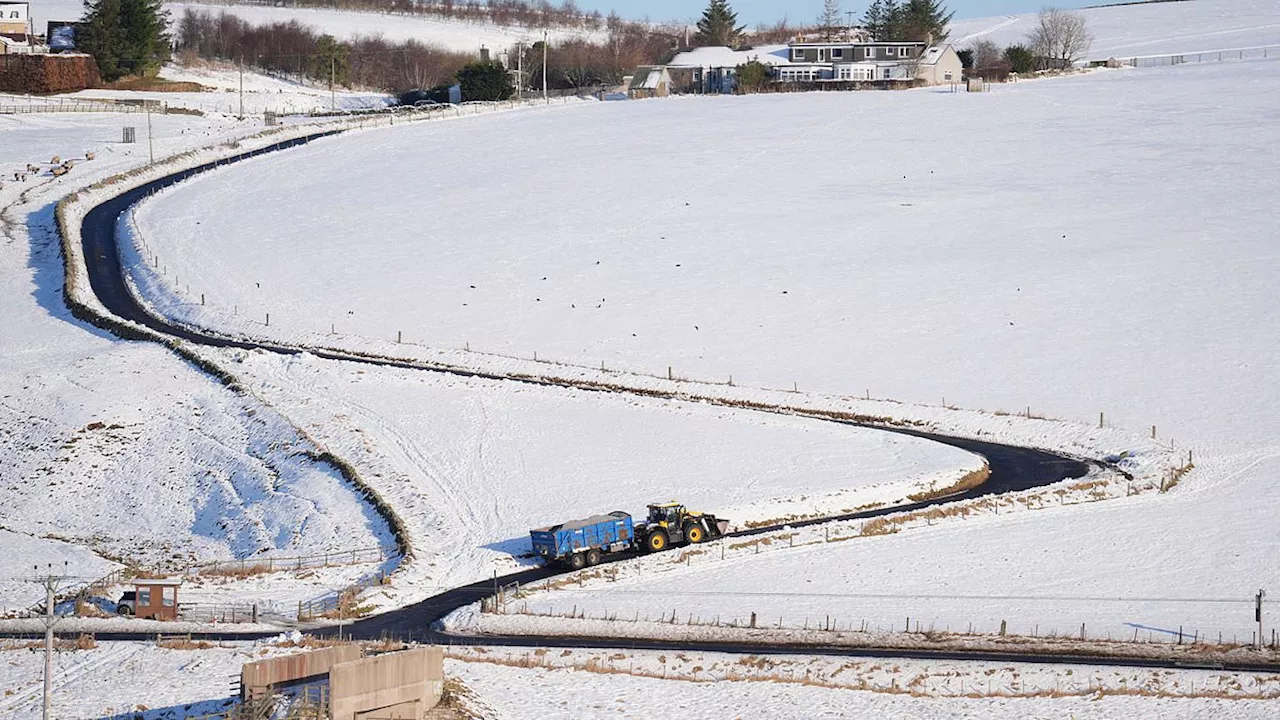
51,583
545,99
151,147
333,75
520,70
1257,614
241,117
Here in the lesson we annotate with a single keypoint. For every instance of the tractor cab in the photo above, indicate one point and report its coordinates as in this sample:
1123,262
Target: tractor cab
667,515
670,523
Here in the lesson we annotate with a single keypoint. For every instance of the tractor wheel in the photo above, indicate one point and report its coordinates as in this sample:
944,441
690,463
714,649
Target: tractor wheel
657,541
593,557
577,561
694,534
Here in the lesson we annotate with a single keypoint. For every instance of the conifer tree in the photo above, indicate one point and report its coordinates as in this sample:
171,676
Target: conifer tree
719,26
923,21
125,37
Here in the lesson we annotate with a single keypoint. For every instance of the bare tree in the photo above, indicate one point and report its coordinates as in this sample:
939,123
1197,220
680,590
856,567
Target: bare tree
1060,38
829,20
985,54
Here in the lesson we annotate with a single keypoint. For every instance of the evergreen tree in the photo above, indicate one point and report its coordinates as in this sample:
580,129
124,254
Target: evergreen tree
485,81
330,61
719,26
883,20
1020,58
923,21
125,36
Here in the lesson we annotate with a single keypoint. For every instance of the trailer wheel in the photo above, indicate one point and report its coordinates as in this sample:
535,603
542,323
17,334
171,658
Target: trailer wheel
593,557
694,534
657,541
577,561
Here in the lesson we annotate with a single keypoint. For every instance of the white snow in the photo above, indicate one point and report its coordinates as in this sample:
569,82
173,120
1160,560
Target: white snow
472,465
118,447
574,684
453,35
1135,30
1030,252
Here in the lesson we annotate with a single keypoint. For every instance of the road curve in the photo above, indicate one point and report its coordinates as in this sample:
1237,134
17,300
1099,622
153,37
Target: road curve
1012,469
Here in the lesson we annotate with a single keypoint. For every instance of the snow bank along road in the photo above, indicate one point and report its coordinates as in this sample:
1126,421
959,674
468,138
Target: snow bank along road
1012,468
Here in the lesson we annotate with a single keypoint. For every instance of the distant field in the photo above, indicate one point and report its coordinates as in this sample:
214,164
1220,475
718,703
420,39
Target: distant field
1148,29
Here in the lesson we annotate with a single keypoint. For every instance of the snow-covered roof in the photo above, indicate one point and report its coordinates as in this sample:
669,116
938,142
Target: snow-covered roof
933,54
714,57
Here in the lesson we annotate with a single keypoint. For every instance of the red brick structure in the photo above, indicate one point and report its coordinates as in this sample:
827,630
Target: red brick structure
43,74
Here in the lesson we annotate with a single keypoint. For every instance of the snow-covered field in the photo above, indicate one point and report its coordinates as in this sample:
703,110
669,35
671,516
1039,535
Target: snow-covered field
1157,29
1031,253
261,93
449,34
574,683
472,465
120,447
116,679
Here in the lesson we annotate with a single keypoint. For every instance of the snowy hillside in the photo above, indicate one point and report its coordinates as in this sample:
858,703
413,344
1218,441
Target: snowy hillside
1126,31
121,448
449,34
1031,252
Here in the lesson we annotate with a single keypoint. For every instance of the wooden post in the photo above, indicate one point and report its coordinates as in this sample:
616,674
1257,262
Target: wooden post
268,319
399,336
670,376
201,298
1101,420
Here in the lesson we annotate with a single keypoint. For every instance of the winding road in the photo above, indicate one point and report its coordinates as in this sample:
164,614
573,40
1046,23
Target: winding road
1012,468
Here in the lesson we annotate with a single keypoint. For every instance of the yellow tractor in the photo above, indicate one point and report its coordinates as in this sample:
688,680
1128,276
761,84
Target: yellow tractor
671,524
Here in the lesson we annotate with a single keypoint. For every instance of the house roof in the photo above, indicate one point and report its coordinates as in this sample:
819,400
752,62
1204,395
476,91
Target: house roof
934,54
647,77
709,57
167,582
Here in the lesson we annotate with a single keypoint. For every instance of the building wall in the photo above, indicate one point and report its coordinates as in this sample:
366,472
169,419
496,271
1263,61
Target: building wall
256,677
13,18
936,74
403,685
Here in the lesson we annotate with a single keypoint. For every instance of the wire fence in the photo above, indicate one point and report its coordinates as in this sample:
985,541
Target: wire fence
264,565
1251,53
51,106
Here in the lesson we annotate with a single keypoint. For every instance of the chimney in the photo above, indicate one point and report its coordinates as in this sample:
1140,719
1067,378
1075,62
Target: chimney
484,54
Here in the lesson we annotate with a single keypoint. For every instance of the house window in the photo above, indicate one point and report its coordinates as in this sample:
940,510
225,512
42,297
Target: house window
822,54
797,54
888,73
904,52
167,596
947,76
144,597
837,53
871,53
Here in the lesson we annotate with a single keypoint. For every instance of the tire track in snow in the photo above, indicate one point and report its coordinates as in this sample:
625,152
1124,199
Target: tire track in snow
31,698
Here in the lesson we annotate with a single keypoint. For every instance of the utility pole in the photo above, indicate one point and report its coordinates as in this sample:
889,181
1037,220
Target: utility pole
545,99
333,74
1257,614
520,70
241,117
51,583
151,148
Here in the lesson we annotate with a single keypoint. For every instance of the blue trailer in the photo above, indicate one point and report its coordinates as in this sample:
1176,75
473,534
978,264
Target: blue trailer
579,543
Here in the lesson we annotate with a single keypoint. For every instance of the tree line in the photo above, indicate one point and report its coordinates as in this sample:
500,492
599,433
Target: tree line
291,48
1059,39
539,13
